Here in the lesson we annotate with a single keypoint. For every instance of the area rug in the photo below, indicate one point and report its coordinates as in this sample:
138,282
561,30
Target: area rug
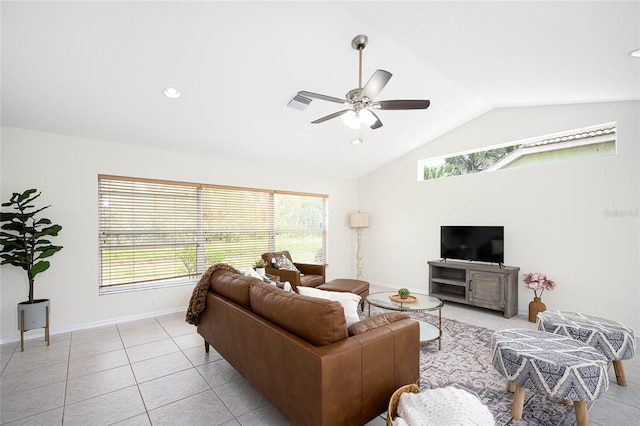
465,362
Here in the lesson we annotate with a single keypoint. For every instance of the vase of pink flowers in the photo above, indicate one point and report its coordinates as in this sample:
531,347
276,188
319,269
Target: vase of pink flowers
537,282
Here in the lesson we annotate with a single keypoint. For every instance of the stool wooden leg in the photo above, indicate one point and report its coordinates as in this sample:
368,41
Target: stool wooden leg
619,369
582,415
518,403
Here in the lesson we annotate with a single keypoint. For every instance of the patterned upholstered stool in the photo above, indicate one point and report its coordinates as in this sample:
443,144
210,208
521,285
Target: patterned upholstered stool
549,363
614,340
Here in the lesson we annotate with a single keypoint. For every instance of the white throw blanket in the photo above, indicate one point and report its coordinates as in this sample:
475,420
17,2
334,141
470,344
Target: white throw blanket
442,406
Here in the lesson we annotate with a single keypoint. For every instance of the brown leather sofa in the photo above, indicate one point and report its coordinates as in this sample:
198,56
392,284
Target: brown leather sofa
308,274
298,353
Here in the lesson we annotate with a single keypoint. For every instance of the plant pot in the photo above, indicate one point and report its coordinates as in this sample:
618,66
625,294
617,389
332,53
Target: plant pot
35,314
32,316
404,296
536,306
261,271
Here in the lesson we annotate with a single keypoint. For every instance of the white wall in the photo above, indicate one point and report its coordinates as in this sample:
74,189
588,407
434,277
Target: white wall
66,170
554,215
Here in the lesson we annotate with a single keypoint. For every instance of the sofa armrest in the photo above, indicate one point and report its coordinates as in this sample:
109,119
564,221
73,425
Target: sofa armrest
285,275
311,268
389,353
395,349
376,321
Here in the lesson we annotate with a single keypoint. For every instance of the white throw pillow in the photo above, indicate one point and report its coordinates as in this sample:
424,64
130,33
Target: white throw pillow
250,272
349,301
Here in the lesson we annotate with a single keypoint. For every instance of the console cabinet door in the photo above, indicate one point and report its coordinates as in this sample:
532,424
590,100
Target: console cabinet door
486,289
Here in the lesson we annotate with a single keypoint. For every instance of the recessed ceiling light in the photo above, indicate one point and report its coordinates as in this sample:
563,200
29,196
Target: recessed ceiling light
171,92
635,53
357,141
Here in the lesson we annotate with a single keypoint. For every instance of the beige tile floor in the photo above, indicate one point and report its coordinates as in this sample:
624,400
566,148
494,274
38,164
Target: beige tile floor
155,371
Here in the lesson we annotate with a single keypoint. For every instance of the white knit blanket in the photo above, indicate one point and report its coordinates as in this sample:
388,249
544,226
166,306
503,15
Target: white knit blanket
441,407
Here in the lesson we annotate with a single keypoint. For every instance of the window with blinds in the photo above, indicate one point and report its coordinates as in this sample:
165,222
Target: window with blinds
160,233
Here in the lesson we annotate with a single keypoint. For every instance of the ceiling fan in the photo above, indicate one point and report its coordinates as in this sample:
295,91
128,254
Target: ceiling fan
361,101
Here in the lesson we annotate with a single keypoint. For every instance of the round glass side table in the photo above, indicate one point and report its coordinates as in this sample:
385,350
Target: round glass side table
419,303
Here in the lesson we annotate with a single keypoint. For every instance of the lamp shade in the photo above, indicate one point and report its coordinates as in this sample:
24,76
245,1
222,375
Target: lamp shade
359,220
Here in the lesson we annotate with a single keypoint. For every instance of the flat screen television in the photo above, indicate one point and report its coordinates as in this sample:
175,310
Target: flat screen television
474,243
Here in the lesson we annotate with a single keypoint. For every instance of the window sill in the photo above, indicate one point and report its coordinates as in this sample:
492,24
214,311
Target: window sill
128,288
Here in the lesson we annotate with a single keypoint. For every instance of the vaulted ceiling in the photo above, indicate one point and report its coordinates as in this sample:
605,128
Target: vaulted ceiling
97,70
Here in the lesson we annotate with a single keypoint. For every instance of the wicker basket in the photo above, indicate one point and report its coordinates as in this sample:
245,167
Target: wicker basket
393,402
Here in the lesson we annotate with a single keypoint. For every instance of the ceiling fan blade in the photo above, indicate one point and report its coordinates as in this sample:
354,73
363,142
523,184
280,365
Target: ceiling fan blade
330,116
322,97
405,104
376,83
377,124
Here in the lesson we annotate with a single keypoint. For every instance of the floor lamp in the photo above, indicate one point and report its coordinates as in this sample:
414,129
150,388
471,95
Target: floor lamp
359,221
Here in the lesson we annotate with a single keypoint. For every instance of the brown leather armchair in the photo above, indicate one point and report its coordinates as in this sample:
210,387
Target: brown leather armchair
308,274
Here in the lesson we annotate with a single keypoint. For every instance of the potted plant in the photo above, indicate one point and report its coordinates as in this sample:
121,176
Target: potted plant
260,266
404,293
24,238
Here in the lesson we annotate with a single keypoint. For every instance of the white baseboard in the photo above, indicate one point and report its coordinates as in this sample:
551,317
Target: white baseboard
39,333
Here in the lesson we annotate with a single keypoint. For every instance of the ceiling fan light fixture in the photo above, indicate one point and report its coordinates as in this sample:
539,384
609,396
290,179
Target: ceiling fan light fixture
635,53
351,119
367,117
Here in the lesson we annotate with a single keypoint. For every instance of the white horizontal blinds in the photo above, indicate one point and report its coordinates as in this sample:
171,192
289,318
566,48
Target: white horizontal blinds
300,226
155,233
237,224
148,231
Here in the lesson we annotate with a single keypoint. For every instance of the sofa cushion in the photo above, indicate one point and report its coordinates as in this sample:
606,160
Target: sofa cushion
233,286
318,321
311,280
374,322
349,301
